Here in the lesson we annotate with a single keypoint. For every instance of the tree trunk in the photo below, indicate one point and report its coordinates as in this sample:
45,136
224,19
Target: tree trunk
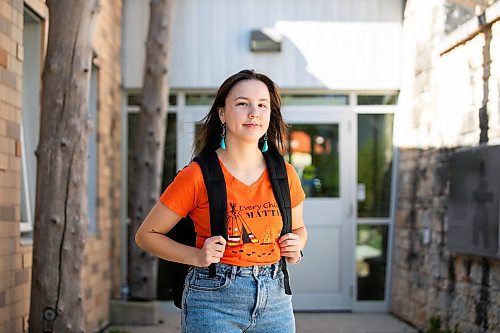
61,197
142,267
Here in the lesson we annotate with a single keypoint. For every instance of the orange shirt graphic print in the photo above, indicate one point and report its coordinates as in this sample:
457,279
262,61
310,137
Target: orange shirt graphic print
238,231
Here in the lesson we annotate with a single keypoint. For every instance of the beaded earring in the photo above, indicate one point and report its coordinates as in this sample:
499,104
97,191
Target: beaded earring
223,135
264,146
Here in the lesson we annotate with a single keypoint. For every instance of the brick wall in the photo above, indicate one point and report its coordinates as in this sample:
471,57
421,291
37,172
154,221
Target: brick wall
101,273
102,270
448,78
15,259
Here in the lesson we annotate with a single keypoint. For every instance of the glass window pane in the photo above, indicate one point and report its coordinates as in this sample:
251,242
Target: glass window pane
170,158
30,115
199,99
374,164
135,99
314,154
92,151
456,15
315,99
371,261
390,99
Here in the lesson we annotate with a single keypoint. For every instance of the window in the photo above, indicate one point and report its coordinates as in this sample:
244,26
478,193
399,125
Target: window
456,14
375,159
92,151
389,99
371,261
374,164
314,154
326,99
199,99
135,100
459,12
30,115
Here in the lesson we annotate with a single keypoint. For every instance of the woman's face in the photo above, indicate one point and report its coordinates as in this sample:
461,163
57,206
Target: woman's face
247,111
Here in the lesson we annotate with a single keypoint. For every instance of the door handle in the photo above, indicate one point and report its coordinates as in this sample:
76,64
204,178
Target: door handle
351,210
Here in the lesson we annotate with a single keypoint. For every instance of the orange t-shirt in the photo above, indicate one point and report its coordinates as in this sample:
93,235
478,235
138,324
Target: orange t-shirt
254,221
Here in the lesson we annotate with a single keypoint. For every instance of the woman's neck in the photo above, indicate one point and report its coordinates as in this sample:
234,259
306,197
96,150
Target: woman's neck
242,156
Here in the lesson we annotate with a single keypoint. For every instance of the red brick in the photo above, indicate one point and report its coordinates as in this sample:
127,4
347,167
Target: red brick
8,229
13,130
18,148
3,58
15,162
6,280
4,162
23,276
20,308
27,260
16,261
4,311
7,213
20,52
18,293
3,264
3,127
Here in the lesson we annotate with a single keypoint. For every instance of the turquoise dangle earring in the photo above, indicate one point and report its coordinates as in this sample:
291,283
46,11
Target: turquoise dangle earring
264,146
223,135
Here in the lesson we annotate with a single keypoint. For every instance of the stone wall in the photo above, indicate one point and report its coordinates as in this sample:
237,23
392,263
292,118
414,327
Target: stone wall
427,279
452,80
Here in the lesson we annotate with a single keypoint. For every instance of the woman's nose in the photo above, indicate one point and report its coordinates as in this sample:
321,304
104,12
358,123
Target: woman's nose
253,112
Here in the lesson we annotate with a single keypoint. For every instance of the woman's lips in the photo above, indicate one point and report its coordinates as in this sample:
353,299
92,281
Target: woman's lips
251,125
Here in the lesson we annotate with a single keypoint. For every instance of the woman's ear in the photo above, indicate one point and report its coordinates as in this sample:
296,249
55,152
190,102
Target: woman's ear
221,115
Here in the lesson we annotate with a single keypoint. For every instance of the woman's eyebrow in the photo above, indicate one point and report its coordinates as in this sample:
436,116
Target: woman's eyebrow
241,97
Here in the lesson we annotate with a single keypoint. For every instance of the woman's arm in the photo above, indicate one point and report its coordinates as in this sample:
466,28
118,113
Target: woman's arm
292,243
151,237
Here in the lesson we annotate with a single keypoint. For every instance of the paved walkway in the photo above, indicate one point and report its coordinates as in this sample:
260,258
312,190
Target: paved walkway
306,323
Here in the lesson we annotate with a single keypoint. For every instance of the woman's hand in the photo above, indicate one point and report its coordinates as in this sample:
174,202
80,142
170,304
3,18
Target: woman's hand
212,251
290,246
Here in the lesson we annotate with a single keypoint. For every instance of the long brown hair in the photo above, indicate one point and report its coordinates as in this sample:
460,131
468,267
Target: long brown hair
209,134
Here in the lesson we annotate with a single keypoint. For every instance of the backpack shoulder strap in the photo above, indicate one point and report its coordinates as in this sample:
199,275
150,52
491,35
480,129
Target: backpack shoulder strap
279,181
217,195
276,168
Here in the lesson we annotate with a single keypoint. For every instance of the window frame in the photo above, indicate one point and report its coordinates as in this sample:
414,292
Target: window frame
93,149
34,57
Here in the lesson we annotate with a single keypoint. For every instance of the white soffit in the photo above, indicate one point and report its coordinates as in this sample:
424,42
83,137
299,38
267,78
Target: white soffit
344,55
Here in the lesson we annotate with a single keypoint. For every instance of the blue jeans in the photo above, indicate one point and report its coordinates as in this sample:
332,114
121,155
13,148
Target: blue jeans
238,299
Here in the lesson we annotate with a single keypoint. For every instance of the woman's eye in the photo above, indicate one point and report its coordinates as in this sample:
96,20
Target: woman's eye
241,103
263,105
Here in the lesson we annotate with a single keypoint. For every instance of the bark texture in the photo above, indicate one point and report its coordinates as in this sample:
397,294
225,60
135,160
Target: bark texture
61,197
142,267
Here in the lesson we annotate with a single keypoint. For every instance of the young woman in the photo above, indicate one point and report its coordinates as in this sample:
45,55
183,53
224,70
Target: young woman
248,292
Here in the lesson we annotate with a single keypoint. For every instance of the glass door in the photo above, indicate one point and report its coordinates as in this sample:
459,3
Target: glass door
321,149
321,152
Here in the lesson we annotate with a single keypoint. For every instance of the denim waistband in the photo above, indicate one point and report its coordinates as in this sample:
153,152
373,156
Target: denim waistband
257,270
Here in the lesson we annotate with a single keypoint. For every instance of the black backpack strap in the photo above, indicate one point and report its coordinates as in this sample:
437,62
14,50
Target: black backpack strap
217,195
279,181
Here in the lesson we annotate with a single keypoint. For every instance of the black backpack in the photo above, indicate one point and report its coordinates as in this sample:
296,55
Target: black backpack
183,232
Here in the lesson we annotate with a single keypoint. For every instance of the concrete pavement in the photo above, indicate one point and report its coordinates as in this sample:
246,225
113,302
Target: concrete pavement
305,322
